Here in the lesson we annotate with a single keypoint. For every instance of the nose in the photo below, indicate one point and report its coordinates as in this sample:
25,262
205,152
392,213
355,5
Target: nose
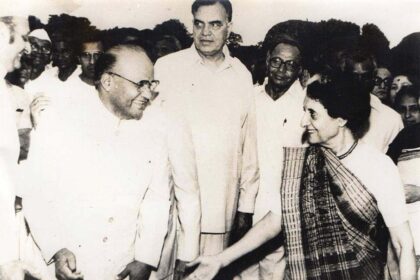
407,114
206,30
91,59
304,122
146,93
27,47
282,68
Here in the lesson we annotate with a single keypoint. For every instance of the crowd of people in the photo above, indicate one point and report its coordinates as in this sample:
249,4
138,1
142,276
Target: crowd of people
160,154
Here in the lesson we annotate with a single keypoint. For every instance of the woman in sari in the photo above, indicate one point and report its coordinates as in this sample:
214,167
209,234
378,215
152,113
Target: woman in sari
340,199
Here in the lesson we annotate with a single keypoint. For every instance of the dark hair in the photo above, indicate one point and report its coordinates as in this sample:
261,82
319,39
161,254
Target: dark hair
410,91
225,3
275,37
342,98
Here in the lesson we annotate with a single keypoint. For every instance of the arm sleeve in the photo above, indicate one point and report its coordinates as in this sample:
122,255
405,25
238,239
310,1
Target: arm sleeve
8,163
187,194
154,215
391,192
249,180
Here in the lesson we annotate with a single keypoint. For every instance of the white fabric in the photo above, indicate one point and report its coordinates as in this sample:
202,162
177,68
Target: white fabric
410,174
9,153
101,186
385,124
278,126
380,176
21,104
219,107
40,34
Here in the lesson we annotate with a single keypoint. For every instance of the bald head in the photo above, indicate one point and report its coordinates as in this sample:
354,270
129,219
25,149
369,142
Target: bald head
121,57
124,74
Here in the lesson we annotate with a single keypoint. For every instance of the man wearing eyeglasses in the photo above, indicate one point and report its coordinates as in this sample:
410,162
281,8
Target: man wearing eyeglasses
213,91
279,103
40,55
384,122
103,184
13,262
382,84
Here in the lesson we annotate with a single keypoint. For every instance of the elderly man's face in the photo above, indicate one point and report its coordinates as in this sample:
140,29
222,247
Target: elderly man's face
283,65
88,57
40,51
131,93
211,29
14,50
382,81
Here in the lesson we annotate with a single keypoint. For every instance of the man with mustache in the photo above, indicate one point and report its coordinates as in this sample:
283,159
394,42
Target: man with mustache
279,103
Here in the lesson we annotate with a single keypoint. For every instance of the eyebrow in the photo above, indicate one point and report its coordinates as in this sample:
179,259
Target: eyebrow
216,21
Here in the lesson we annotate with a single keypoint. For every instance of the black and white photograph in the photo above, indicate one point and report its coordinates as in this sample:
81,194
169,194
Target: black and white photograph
209,139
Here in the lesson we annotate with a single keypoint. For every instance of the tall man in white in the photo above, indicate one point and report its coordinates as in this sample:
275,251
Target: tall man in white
279,106
214,92
102,179
13,33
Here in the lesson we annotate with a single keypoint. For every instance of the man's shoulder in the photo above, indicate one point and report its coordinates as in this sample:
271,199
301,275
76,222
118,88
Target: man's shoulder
174,59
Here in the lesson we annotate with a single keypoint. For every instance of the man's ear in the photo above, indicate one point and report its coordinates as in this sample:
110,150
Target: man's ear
107,82
341,122
229,28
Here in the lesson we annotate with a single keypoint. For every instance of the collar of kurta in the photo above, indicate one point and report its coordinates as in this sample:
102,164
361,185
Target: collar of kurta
375,102
227,62
296,91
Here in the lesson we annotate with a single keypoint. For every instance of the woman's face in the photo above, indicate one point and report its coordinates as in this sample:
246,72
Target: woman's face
320,127
398,82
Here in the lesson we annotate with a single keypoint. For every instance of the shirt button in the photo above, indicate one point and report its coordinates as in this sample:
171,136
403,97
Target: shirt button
105,239
110,220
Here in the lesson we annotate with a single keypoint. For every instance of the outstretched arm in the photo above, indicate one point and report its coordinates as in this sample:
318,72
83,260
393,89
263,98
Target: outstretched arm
403,243
266,229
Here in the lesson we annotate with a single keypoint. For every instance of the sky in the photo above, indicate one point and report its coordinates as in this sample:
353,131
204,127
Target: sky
251,18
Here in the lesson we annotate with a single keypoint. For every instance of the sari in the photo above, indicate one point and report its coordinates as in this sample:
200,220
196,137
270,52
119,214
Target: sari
332,225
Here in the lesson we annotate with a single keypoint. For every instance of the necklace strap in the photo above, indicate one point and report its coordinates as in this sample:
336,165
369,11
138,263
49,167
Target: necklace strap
349,150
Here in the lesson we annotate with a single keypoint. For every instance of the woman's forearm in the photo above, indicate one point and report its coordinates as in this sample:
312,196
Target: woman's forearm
263,231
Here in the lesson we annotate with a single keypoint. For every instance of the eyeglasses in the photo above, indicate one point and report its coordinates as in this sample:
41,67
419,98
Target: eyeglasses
151,84
43,49
89,56
378,81
277,62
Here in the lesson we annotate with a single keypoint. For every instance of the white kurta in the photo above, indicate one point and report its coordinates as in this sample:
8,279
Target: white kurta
9,153
278,126
219,107
410,173
101,188
385,124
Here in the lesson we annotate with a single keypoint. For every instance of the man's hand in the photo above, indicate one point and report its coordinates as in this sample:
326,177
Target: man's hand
180,267
136,271
65,265
18,270
412,193
39,104
241,225
208,267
